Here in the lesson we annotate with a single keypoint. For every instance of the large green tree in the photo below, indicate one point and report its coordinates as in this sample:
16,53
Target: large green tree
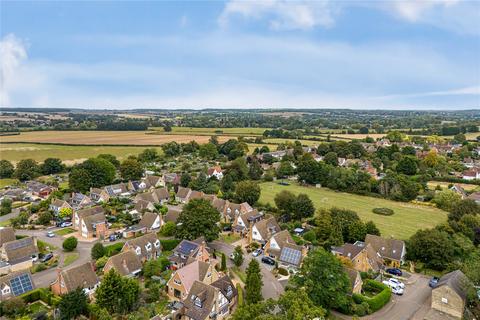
131,169
253,283
52,166
118,295
101,171
208,151
198,218
79,180
247,191
432,247
6,169
27,169
324,280
73,305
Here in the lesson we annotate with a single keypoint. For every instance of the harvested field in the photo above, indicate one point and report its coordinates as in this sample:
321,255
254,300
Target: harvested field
213,131
104,138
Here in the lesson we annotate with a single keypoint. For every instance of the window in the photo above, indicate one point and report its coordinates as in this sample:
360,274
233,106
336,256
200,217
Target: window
209,275
138,251
6,290
198,302
177,281
444,300
229,291
149,246
157,243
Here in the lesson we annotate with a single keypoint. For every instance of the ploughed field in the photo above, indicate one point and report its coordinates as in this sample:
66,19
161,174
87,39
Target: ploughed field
407,219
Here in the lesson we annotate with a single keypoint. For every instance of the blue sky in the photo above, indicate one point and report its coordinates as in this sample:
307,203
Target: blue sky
396,54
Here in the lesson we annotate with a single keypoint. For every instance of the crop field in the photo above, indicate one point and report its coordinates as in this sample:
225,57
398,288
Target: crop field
407,219
284,140
444,185
358,135
213,131
69,154
103,137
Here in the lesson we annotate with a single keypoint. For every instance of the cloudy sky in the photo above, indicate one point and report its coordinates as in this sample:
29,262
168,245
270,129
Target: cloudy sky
411,54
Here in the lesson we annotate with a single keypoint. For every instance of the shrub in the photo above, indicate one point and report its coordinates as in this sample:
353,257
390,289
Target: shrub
39,267
13,306
101,262
169,244
283,271
98,251
310,236
168,229
377,302
383,211
70,244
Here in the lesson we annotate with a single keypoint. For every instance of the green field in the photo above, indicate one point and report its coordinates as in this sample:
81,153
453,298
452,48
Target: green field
407,219
39,152
284,140
211,131
7,182
70,258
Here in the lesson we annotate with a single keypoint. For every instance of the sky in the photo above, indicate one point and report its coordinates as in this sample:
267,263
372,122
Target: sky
391,54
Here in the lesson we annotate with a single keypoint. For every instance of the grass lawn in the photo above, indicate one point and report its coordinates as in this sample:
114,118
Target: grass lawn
70,258
5,223
42,246
408,218
64,231
6,182
240,274
229,238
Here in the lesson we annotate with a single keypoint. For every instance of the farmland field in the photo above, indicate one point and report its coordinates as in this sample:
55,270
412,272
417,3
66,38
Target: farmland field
211,131
467,187
103,137
69,154
407,219
285,140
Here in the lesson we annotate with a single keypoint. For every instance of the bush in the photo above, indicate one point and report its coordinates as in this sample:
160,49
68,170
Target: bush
383,211
39,267
101,262
13,306
70,244
168,229
283,271
98,251
240,295
378,301
169,244
310,236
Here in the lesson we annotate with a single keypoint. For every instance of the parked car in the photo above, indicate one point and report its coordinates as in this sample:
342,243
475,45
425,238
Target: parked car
50,234
433,282
268,260
112,237
257,252
397,290
66,224
394,283
47,257
34,258
395,271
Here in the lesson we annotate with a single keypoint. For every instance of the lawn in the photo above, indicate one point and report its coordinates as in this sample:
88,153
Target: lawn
468,187
64,231
408,218
70,258
6,182
239,273
229,238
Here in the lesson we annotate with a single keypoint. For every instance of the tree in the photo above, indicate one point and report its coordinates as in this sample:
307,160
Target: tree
118,295
148,155
324,280
247,191
168,229
296,305
44,218
5,206
27,169
98,251
447,199
13,306
65,213
79,180
185,179
331,158
371,228
131,169
356,232
73,304
110,158
255,170
155,267
208,151
52,166
172,149
101,171
407,165
285,202
224,262
432,247
70,244
285,169
303,207
198,218
253,283
6,169
462,208
238,256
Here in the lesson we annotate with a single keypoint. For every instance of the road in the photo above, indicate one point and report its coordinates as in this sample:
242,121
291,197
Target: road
46,277
271,287
9,216
403,307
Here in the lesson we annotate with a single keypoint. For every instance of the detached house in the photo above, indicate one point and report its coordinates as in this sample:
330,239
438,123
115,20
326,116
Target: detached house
146,247
215,172
91,222
244,221
154,181
151,221
188,251
362,256
82,276
117,190
154,196
99,195
78,215
126,263
39,189
79,200
392,251
355,280
19,253
58,205
471,174
282,247
7,234
182,279
183,195
263,230
15,284
172,214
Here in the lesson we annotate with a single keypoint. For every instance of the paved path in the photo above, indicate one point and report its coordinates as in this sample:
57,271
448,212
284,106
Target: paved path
402,307
272,288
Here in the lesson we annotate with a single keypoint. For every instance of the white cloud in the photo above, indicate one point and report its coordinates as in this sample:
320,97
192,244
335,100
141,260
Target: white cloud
281,14
414,10
12,54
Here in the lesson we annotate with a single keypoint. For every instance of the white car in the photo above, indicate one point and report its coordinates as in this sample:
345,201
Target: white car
394,283
257,252
397,291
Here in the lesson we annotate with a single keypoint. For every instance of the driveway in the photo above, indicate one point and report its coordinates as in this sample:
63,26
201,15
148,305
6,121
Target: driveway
46,277
402,307
272,288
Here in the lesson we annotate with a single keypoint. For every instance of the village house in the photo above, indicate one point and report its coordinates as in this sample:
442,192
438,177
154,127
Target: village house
117,190
449,297
153,181
79,200
39,189
94,226
216,172
362,256
141,207
172,178
99,195
283,248
227,288
126,263
183,195
15,284
458,189
7,234
232,210
475,197
182,279
355,280
19,254
151,221
263,230
471,174
172,214
78,215
146,247
82,276
160,196
188,251
244,221
392,251
58,205
15,194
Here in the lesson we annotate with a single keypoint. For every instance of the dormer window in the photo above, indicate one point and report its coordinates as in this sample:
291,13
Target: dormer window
6,290
148,246
229,291
157,243
383,248
198,302
138,251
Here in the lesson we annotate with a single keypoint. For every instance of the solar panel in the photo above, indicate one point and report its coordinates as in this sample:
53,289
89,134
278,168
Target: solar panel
291,256
186,247
21,284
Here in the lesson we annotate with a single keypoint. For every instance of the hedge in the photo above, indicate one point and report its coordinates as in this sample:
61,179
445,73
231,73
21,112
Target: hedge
240,295
383,211
38,294
377,302
169,244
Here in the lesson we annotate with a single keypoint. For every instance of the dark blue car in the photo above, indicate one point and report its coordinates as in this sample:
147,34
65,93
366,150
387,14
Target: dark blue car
394,271
433,282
